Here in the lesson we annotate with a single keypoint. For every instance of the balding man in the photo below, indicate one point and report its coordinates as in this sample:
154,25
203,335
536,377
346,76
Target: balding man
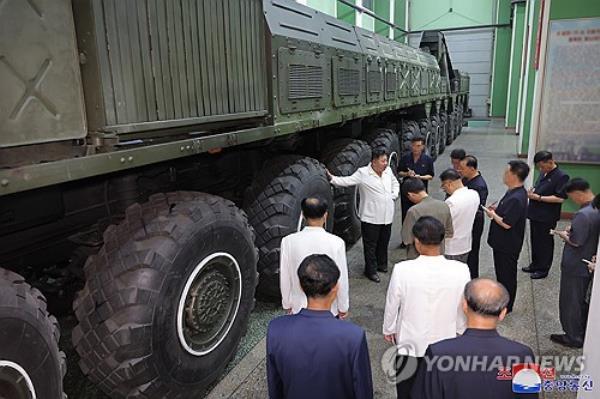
443,374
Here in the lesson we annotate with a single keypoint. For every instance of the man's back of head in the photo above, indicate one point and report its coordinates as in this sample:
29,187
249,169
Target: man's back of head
414,189
318,275
429,234
485,303
314,208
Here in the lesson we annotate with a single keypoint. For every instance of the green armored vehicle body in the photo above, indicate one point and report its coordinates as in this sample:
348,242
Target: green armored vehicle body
157,152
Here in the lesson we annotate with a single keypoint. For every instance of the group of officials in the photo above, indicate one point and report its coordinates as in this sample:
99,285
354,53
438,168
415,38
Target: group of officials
435,304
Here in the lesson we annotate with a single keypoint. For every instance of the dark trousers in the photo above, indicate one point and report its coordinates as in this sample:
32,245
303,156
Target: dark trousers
505,264
376,238
406,204
542,245
573,309
473,259
406,372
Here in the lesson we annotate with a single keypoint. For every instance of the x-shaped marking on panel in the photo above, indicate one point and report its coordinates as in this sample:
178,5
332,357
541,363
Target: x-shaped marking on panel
32,89
404,76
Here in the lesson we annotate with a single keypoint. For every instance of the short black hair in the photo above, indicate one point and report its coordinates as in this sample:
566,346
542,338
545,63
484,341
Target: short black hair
577,184
314,207
450,174
542,156
412,185
378,152
596,202
519,168
418,138
318,275
486,302
458,153
429,231
471,161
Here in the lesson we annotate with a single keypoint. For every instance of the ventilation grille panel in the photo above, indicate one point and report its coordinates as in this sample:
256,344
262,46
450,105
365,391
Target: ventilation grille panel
305,81
349,82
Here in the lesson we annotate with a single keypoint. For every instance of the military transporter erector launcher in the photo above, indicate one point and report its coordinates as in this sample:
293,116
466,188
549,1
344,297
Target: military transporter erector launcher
159,150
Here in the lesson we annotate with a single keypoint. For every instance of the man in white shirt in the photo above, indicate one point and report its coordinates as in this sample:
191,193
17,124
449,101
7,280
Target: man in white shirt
378,189
311,240
424,299
463,204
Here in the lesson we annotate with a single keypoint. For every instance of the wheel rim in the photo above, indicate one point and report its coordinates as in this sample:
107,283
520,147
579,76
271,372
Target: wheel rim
301,222
393,162
356,201
15,382
209,303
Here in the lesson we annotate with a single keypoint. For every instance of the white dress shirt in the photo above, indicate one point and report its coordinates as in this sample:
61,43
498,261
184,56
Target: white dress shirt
294,249
424,302
377,193
463,204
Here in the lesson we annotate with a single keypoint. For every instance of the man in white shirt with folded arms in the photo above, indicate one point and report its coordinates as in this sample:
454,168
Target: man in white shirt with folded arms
463,203
424,299
378,189
311,240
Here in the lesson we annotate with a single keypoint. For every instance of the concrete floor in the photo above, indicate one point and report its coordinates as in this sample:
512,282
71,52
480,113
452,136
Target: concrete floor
535,314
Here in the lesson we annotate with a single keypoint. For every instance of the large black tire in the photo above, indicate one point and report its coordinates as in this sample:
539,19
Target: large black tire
436,129
387,140
342,158
443,121
461,119
137,310
273,206
430,137
454,123
449,126
410,129
28,342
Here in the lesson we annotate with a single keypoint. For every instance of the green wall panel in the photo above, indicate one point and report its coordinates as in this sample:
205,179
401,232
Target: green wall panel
382,9
501,60
326,6
565,9
400,19
346,13
591,173
515,63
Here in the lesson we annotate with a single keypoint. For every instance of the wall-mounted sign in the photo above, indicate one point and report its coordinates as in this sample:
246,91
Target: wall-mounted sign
570,103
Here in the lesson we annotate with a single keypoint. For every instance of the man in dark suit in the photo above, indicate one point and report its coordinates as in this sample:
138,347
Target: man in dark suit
472,179
312,354
545,201
507,228
416,164
468,366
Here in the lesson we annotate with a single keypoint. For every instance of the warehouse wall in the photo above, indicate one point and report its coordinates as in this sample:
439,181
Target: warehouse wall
444,14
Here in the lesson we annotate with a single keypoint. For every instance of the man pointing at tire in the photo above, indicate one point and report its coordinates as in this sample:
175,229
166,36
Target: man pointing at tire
378,189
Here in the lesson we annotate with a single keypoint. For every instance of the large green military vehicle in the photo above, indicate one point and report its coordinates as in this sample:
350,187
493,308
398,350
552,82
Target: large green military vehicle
158,151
